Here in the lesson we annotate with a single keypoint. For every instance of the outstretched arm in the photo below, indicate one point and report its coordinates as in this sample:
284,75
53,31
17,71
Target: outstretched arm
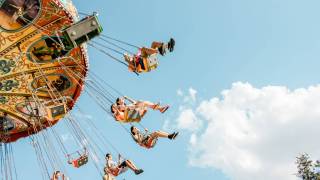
119,159
129,99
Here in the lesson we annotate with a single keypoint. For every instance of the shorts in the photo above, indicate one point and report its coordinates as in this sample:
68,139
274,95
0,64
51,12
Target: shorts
123,167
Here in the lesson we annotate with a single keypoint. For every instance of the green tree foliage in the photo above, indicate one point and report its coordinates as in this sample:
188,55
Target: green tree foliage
307,169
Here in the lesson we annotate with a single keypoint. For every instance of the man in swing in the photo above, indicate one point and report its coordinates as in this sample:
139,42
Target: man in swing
146,58
113,169
134,111
149,140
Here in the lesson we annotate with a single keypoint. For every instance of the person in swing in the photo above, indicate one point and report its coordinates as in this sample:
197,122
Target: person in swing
57,175
149,139
146,58
113,169
134,111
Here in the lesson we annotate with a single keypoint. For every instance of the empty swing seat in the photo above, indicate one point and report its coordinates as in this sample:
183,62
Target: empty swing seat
56,111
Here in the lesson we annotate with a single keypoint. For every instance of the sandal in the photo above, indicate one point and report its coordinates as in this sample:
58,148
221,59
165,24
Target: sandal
164,109
175,135
171,44
162,50
156,106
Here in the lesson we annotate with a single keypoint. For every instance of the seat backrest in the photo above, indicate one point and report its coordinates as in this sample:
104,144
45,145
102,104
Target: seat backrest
132,115
152,62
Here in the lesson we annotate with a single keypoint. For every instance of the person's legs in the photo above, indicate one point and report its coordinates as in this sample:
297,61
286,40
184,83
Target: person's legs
153,106
148,51
108,177
157,134
163,134
156,45
129,164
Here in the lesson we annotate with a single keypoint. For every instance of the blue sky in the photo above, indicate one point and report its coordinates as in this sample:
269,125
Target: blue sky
266,42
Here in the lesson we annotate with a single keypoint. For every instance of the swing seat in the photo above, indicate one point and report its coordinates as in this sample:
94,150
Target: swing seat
81,161
132,115
83,31
151,62
6,124
56,111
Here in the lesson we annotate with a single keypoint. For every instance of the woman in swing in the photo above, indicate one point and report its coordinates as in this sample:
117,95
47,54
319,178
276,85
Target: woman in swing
113,169
146,58
57,175
134,111
149,139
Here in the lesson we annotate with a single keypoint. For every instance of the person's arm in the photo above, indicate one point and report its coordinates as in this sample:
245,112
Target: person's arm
135,137
107,164
119,159
129,99
69,159
146,130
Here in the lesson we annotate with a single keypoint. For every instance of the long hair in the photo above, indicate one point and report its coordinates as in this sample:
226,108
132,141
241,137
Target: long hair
133,135
117,101
111,109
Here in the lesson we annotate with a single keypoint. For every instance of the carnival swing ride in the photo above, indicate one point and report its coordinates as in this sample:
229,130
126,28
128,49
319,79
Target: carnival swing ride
44,70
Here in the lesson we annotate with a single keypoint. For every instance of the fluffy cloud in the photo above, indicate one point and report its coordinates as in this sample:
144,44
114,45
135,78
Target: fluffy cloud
192,93
189,97
254,133
188,120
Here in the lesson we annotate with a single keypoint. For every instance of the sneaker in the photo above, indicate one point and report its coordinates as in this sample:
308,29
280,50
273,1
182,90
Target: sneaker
175,135
162,50
170,136
156,106
164,109
139,171
171,44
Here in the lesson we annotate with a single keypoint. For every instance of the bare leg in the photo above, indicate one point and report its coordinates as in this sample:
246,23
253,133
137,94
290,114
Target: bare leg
160,47
131,165
108,177
157,134
156,45
148,51
151,105
163,134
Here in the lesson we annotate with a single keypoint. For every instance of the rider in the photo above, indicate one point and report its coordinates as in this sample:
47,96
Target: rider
58,174
134,111
149,140
145,60
115,169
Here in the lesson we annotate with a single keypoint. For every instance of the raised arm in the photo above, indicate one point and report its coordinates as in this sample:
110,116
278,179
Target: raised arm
129,99
119,159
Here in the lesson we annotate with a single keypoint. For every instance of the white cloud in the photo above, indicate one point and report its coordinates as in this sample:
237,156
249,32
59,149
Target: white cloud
190,97
192,93
188,120
254,133
179,92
